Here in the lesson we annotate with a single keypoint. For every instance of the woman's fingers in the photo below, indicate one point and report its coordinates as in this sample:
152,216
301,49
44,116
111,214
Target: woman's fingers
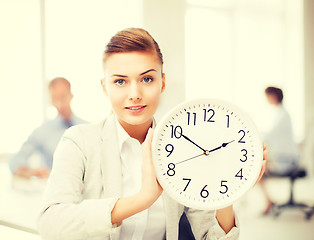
263,164
150,181
147,149
264,151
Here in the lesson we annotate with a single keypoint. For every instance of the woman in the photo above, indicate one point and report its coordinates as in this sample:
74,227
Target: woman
103,173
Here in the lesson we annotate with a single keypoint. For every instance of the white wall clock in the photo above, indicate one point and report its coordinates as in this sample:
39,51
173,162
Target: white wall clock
207,153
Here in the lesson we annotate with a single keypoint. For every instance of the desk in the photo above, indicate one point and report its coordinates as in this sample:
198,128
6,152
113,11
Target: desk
8,233
20,201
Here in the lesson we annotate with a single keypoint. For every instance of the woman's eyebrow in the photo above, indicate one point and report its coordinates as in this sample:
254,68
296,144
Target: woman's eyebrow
148,71
118,75
124,76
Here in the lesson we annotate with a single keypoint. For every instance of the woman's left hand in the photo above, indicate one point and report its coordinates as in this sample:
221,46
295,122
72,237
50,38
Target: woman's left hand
263,164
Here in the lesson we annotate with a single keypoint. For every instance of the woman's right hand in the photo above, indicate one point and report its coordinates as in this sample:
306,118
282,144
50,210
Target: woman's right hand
151,188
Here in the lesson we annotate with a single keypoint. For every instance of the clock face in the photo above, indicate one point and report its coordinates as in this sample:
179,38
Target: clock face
207,153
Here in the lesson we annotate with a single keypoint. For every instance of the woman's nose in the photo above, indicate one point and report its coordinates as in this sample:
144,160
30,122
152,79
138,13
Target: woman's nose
135,92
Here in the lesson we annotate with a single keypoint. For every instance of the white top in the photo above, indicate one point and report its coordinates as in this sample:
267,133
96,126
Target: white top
150,223
85,183
278,135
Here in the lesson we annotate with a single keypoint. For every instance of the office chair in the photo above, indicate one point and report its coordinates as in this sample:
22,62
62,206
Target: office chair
291,204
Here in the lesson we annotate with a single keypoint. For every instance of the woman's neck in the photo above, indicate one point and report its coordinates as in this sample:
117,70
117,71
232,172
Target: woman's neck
137,131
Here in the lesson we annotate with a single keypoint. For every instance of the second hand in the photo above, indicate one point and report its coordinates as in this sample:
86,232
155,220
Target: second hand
189,159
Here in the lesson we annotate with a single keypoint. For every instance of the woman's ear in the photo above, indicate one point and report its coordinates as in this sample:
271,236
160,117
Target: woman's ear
163,83
102,82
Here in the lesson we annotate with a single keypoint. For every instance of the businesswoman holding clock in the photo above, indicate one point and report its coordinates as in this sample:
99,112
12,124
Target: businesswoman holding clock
103,183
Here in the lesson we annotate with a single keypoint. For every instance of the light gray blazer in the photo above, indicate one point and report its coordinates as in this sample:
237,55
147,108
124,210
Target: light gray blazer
85,183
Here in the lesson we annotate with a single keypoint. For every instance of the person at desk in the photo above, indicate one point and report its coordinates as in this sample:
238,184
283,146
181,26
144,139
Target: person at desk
43,141
283,154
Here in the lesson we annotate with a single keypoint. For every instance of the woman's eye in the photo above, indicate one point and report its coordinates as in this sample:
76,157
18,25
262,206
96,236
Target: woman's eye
119,82
147,79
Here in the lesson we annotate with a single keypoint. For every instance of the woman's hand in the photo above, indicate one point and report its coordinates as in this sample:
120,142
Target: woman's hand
150,185
225,216
263,164
149,193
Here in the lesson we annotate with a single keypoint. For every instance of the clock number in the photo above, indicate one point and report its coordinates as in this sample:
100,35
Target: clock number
194,118
211,116
222,184
171,168
176,131
239,174
189,180
244,155
228,118
169,150
241,139
204,193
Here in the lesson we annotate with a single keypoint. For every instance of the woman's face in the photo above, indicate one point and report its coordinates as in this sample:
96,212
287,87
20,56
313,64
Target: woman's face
133,82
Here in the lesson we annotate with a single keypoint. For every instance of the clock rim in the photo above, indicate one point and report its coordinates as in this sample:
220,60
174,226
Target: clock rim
164,119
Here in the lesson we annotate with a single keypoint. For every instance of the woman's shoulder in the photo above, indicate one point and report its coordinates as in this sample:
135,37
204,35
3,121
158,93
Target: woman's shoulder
83,129
88,130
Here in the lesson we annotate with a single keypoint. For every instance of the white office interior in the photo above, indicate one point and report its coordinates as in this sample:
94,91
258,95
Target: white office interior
226,49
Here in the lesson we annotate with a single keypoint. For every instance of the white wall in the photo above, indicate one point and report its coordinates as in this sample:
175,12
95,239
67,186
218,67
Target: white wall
309,63
73,37
20,72
165,21
235,49
77,31
308,146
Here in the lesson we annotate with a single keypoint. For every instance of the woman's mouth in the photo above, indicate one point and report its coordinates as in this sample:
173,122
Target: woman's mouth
136,109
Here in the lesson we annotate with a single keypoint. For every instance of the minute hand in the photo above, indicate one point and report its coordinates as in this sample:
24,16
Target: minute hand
222,145
185,137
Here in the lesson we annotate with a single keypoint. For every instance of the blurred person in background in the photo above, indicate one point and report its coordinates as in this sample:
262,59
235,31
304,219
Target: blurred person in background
44,139
283,153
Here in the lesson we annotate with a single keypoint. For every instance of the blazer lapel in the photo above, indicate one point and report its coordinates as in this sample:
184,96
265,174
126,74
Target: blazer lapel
110,163
173,212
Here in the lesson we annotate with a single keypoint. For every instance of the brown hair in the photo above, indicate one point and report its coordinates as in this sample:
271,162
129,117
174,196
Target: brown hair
277,92
132,39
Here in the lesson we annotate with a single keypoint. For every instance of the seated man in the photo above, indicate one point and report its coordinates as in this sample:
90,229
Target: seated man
43,141
283,154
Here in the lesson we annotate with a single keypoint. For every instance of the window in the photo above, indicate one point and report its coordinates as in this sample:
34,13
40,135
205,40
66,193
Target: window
76,35
50,38
236,48
21,85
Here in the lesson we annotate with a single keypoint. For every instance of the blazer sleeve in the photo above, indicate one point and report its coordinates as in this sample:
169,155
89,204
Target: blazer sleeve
29,147
206,227
65,215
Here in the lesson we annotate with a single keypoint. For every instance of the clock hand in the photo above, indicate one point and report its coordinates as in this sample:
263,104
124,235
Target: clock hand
189,158
185,137
222,145
205,152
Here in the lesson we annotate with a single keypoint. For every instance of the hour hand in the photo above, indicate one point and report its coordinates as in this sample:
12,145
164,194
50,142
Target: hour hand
222,145
225,144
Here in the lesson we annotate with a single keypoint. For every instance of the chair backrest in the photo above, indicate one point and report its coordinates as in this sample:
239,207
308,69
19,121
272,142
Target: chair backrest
297,173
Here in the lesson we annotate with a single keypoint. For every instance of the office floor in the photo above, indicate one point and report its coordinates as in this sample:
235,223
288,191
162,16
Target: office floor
289,225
